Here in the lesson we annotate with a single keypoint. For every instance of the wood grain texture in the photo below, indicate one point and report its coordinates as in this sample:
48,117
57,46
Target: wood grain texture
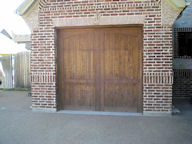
100,68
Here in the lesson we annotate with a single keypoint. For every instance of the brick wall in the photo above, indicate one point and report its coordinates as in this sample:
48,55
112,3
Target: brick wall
157,48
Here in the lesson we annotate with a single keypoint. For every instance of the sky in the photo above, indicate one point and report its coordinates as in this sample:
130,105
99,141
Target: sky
9,20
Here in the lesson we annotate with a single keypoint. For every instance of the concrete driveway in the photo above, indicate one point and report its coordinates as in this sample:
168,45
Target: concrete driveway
19,125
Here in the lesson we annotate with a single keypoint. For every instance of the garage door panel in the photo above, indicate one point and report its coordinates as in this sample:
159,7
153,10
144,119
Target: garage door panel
77,75
125,31
81,66
115,66
121,70
79,96
120,97
75,33
120,57
78,62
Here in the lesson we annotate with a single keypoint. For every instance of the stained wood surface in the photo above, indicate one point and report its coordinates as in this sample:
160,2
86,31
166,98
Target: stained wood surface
100,69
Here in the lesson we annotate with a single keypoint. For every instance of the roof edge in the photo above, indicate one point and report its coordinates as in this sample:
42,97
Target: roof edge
22,38
25,7
179,3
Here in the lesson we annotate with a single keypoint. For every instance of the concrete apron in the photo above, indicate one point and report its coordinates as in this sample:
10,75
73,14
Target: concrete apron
101,113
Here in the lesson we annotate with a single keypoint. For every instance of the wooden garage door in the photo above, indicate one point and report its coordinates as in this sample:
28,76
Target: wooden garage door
100,69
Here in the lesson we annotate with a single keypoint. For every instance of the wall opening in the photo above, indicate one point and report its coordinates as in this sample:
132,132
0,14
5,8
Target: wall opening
182,60
185,44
